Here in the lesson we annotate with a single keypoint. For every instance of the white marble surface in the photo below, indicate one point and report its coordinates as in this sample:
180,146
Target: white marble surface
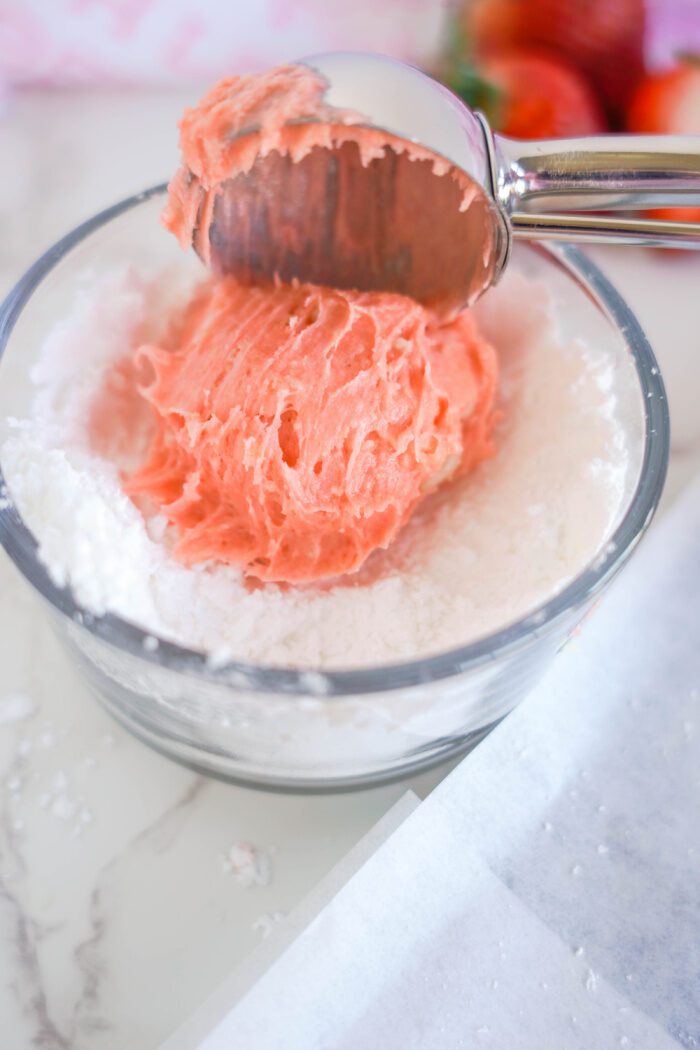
117,917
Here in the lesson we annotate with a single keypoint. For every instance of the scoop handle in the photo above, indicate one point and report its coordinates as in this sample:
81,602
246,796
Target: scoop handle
550,188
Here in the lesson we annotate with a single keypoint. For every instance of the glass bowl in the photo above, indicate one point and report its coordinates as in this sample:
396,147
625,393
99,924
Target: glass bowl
285,728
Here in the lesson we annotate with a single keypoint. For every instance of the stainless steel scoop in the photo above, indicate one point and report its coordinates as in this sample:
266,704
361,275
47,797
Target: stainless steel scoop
395,224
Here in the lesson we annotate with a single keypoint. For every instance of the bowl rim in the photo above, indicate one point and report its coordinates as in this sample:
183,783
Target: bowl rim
121,634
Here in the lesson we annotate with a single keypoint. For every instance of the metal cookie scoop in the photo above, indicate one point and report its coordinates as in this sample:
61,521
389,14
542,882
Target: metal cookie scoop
395,223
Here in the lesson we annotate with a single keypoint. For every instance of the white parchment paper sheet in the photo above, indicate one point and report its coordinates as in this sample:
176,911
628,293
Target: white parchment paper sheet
547,894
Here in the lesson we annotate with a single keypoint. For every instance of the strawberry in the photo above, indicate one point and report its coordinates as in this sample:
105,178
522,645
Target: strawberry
668,103
542,97
529,95
603,39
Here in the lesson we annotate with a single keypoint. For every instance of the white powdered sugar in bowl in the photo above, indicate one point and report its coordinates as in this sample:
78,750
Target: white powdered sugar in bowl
477,556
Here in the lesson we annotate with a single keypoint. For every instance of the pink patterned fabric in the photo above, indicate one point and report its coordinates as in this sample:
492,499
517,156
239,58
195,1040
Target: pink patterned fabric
169,41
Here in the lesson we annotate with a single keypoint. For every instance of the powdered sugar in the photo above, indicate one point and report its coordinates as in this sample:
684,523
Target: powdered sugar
248,865
265,923
475,558
16,707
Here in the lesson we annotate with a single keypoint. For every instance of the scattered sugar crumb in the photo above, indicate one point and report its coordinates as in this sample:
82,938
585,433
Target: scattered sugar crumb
62,803
591,981
265,923
579,951
546,826
576,870
249,865
24,747
64,807
150,644
16,707
602,849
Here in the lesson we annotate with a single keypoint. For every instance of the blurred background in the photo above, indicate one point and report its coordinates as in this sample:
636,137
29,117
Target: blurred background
600,48
157,42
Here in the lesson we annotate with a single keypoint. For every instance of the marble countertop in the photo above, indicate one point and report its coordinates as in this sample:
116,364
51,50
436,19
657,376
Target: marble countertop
118,914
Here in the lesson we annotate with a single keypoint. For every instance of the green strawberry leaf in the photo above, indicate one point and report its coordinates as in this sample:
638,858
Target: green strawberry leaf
459,73
476,91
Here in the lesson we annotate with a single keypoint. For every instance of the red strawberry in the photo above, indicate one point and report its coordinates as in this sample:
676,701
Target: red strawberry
668,103
604,39
542,97
528,95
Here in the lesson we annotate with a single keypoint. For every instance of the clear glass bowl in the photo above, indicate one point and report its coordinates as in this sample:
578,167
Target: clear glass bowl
306,729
